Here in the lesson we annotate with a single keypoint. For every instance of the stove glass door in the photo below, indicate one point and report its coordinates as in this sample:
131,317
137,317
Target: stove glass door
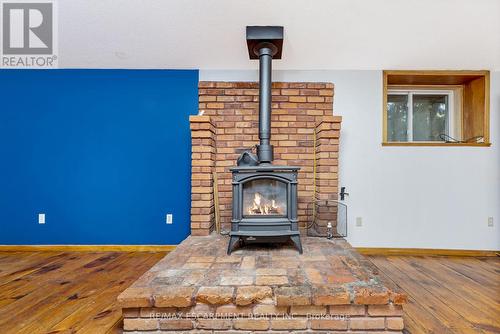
264,197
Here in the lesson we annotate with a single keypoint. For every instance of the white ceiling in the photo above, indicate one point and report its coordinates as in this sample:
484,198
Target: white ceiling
319,34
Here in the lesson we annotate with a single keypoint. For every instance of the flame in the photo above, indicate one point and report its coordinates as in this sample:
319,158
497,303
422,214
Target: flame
258,208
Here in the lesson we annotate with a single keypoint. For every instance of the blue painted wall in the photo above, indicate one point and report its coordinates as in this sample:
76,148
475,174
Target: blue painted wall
105,154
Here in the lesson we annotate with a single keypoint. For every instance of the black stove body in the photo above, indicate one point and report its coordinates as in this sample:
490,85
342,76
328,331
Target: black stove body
264,195
264,205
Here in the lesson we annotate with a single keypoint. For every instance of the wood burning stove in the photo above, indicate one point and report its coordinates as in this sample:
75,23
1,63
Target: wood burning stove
264,195
264,205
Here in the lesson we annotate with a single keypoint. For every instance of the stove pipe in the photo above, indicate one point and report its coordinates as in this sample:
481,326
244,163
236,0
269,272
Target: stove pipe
265,149
265,43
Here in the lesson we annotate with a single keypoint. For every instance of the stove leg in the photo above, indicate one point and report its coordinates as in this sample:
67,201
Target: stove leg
296,242
232,241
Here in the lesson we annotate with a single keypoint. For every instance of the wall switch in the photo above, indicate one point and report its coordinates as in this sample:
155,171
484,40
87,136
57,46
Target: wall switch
41,218
169,218
359,221
490,221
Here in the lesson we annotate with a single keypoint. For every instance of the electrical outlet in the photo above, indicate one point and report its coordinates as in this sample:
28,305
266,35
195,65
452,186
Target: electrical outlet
169,218
359,221
490,221
41,218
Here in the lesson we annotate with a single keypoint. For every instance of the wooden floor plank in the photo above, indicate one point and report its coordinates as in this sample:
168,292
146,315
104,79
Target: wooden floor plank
475,263
426,322
106,314
473,272
36,299
454,276
477,295
113,281
84,277
78,291
419,312
9,257
419,291
81,286
53,272
27,265
491,262
456,301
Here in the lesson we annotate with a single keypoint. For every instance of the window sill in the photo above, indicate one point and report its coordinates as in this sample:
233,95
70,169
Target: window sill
434,144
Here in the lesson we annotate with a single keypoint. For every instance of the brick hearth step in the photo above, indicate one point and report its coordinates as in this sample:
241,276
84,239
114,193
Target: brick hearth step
198,287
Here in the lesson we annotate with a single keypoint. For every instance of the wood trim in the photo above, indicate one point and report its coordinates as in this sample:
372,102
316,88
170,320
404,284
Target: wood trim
424,87
475,106
384,106
462,114
437,72
87,248
486,128
434,144
425,252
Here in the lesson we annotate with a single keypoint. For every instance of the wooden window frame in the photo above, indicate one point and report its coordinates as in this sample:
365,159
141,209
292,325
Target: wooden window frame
472,88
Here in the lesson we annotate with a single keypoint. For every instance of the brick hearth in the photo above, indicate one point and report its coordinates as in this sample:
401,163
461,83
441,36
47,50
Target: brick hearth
263,288
198,288
302,114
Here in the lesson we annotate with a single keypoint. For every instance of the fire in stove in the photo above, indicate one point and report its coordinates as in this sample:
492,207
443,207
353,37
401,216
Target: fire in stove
261,206
264,197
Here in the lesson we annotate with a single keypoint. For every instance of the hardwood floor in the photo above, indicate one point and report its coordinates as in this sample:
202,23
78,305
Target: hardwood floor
74,292
66,292
447,294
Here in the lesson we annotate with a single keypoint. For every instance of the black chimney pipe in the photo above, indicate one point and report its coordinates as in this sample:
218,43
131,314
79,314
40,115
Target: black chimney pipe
265,43
265,149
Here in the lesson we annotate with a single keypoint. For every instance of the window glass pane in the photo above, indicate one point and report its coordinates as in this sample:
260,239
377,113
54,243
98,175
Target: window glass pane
397,117
430,117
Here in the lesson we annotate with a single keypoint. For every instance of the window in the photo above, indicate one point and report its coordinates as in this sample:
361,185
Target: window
436,108
420,116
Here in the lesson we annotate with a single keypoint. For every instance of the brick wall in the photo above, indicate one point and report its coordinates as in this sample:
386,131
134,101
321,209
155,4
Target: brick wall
234,319
203,164
229,125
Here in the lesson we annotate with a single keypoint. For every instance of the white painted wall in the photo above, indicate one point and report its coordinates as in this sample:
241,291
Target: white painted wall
319,34
422,197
